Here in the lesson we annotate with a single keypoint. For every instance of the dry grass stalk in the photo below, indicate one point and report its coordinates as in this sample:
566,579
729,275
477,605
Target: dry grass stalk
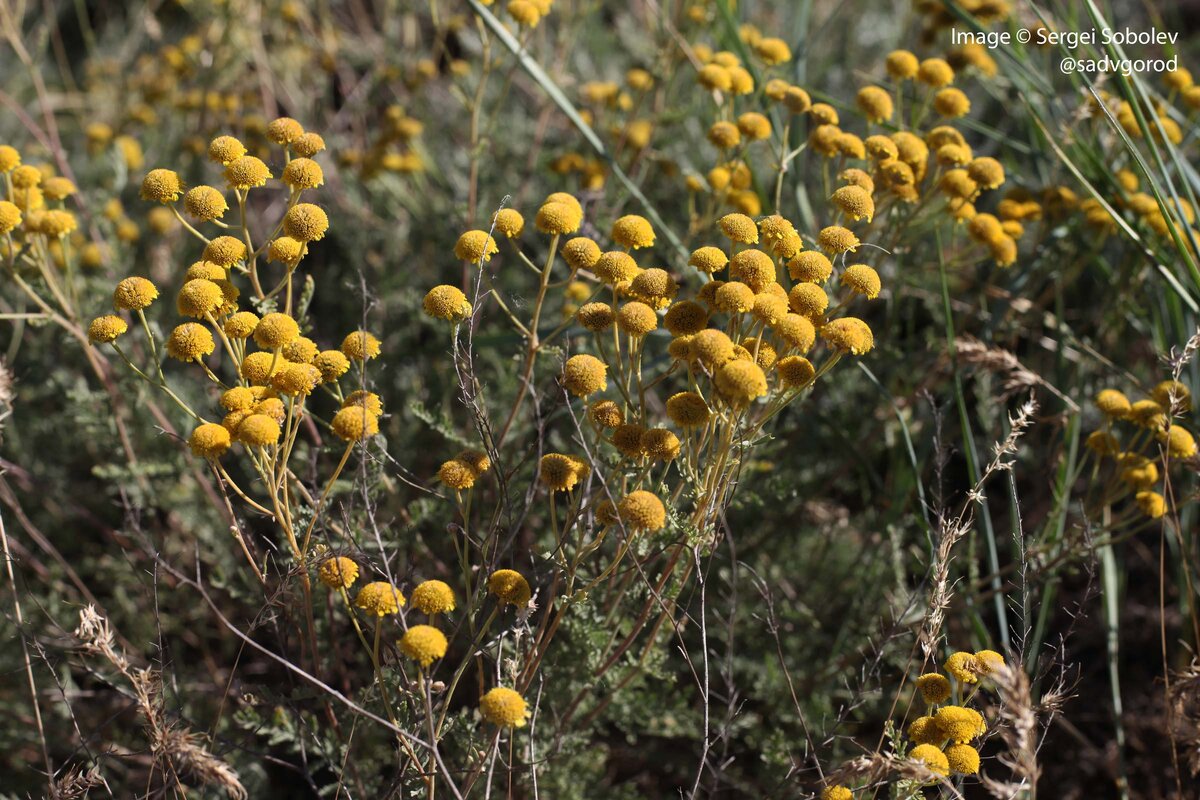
1017,377
177,751
954,529
1185,714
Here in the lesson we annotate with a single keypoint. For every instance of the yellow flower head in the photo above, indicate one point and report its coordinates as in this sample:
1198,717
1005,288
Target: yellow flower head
960,724
951,103
475,246
239,398
447,302
199,298
305,222
660,444
1152,504
10,216
1172,395
258,430
560,473
57,188
284,130
205,203
861,279
189,342
988,661
225,251
901,64
962,759
423,644
360,346
457,474
795,371
710,259
848,334
733,297
963,667
509,222
107,328
581,253
615,266
584,375
741,382
503,707
925,730
293,379
754,268
338,572
754,126
987,172
931,758
606,414
433,597
303,173
160,186
355,423
595,317
525,12
712,347
379,598
10,158
837,240
808,300
810,266
510,587
797,100
685,317
246,172
934,688
241,325
642,511
935,72
225,149
308,144
797,331
773,51
855,202
209,440
276,330
875,103
558,218
836,793
739,228
636,319
633,231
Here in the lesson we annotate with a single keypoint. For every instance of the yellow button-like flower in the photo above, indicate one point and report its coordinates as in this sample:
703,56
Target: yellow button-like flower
504,707
303,173
284,130
901,64
795,371
447,302
934,688
925,730
355,423
225,149
848,334
106,329
360,346
1152,504
837,240
379,598
861,279
209,440
199,298
225,251
258,430
855,202
584,375
509,222
642,511
205,203
931,758
962,759
305,222
189,342
875,103
960,724
134,293
241,325
246,172
433,597
475,246
935,72
423,644
633,231
510,587
160,186
338,572
581,253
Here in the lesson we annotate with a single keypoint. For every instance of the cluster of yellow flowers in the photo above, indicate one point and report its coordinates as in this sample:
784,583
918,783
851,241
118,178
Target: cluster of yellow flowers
395,149
426,643
1149,425
942,736
33,215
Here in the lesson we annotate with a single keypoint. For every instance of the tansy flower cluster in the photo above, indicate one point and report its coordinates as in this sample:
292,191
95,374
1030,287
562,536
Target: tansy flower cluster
1134,439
